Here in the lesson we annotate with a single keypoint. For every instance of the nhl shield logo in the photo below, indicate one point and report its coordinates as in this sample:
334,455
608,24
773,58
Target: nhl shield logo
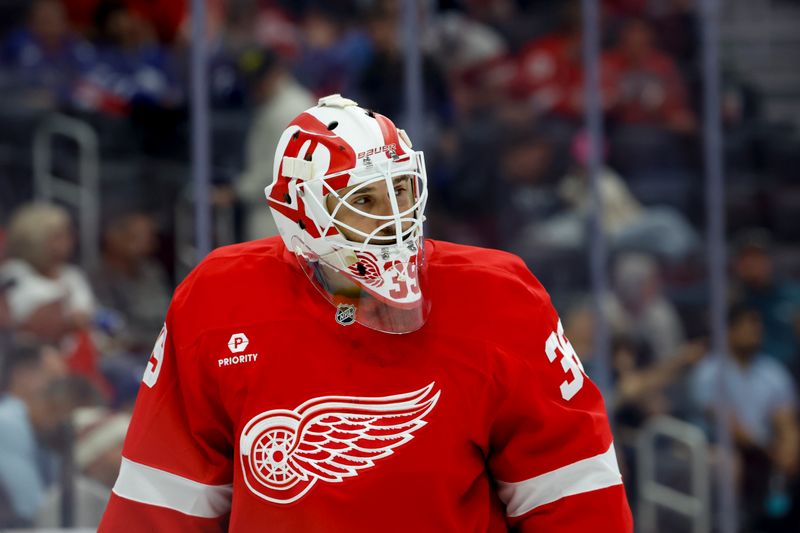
346,314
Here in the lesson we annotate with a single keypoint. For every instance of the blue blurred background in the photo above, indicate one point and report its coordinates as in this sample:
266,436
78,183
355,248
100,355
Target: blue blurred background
657,201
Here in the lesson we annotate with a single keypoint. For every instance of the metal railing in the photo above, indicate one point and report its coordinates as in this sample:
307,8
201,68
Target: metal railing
696,504
83,195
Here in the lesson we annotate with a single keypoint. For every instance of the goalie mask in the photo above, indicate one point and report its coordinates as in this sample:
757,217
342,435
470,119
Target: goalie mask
348,197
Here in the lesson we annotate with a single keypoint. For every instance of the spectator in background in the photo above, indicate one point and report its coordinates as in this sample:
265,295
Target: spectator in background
639,306
763,407
518,22
629,225
459,44
99,435
381,80
131,286
132,69
644,85
49,297
223,40
568,228
463,177
165,16
331,54
776,300
473,60
279,99
641,383
270,24
98,451
524,188
550,69
28,414
45,57
678,30
640,386
168,18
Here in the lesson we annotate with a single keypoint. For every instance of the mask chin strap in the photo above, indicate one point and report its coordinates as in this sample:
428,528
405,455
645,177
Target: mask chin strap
402,273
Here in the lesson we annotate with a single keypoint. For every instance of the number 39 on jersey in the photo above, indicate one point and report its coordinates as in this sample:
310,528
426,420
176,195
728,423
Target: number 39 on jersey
557,345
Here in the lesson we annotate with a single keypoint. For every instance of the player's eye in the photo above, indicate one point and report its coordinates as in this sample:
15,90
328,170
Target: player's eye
361,200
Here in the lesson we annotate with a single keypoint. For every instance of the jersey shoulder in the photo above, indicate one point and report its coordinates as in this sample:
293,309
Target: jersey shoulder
268,249
490,297
229,263
485,265
470,281
231,284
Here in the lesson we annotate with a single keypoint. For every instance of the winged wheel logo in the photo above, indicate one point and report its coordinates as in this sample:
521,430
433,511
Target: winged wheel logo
284,453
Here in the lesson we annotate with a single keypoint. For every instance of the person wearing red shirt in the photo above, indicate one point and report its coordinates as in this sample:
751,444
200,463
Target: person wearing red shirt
644,85
551,76
350,375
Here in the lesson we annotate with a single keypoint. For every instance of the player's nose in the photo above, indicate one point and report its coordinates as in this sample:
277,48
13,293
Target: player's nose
384,209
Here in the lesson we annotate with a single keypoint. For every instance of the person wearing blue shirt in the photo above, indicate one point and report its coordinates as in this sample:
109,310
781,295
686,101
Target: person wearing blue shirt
45,54
776,299
27,416
762,403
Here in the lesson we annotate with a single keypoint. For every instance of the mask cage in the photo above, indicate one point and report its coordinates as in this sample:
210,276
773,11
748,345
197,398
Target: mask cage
412,166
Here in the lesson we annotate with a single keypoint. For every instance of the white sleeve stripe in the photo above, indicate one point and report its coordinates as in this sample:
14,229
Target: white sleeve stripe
145,484
586,475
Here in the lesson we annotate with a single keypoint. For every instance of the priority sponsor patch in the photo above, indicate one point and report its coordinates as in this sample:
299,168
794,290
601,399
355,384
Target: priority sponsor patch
238,359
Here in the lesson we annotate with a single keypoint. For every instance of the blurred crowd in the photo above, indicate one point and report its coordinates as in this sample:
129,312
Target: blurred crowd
506,149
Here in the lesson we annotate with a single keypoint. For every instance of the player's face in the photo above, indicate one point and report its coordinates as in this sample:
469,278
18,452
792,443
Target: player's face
373,199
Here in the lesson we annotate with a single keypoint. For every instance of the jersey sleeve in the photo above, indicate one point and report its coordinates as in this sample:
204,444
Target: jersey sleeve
176,472
552,453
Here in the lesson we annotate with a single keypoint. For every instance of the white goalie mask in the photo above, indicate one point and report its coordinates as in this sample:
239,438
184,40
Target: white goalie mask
348,196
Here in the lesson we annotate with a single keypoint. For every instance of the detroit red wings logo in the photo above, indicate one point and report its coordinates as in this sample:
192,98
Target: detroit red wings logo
367,270
286,452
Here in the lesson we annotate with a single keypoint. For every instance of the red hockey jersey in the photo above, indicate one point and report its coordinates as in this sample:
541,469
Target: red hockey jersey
258,412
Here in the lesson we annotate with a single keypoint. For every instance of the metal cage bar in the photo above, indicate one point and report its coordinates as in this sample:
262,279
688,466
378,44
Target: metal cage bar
696,505
82,195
